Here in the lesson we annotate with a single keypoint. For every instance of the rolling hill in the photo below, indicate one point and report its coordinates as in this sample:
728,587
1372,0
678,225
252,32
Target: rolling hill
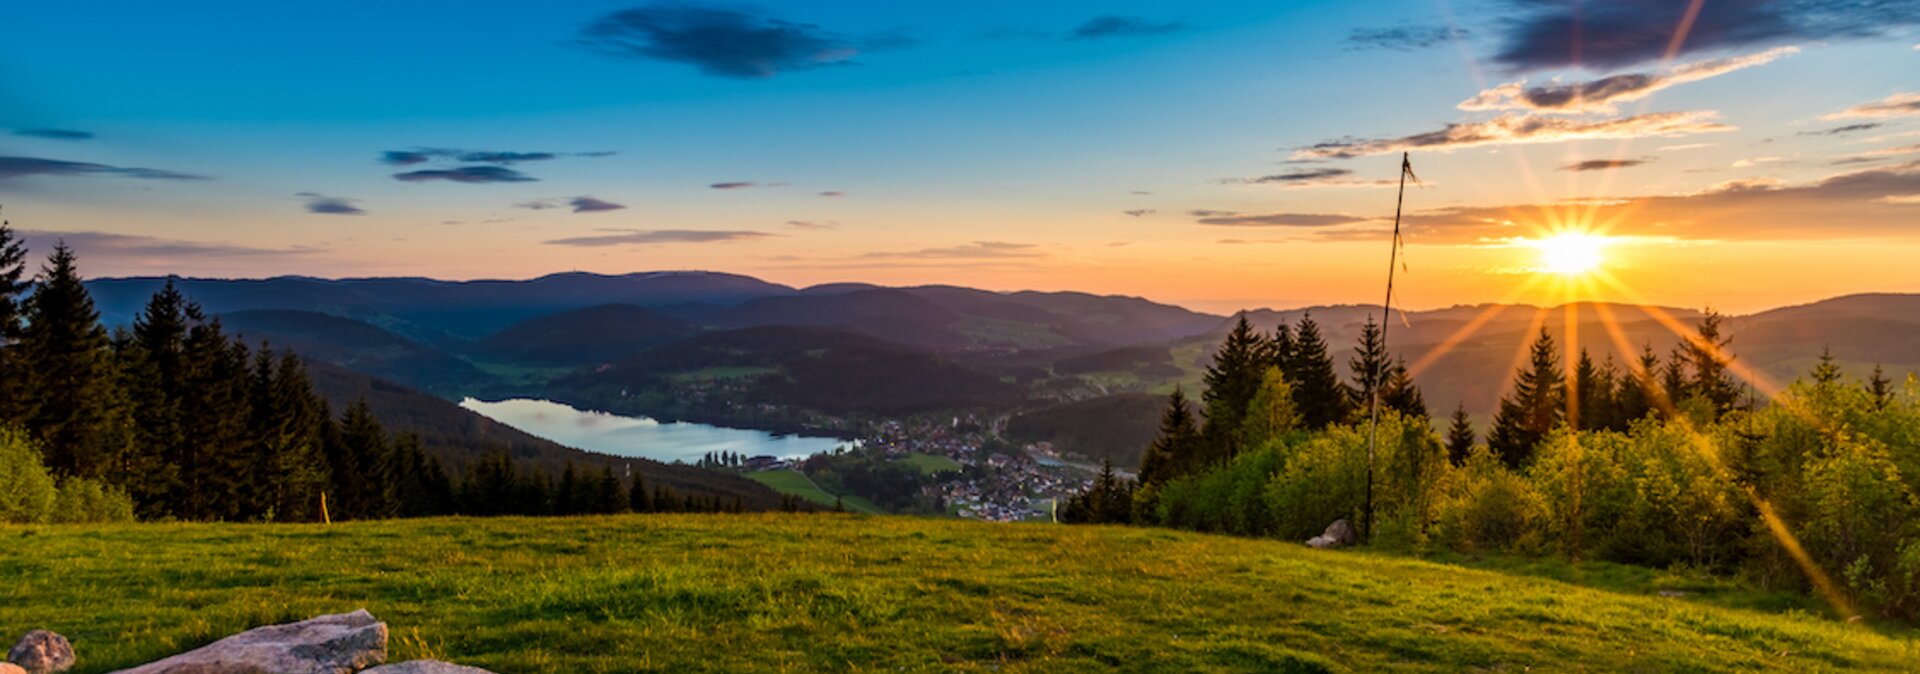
589,336
357,346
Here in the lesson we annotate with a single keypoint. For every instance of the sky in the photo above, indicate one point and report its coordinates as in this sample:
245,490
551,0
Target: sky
1733,154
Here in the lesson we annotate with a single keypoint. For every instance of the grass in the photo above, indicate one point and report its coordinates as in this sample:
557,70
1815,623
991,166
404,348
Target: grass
784,593
797,484
929,464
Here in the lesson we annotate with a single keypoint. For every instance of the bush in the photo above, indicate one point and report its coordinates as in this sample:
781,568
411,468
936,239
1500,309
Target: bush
81,501
28,493
1487,507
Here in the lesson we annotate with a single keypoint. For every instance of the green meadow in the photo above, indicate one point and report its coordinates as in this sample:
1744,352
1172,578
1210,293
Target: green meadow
786,593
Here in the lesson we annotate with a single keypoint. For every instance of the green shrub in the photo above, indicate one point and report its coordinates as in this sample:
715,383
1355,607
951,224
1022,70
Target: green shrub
81,501
26,490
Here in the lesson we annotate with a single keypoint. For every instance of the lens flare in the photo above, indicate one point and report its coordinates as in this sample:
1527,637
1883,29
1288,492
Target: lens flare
1570,254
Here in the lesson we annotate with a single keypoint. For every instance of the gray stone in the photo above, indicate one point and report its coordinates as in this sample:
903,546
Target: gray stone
1338,535
425,667
42,652
331,644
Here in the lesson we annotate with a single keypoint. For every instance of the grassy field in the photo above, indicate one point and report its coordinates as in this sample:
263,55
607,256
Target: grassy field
929,464
783,593
793,482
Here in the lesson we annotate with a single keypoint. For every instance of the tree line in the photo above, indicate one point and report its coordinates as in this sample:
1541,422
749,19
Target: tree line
1663,462
172,418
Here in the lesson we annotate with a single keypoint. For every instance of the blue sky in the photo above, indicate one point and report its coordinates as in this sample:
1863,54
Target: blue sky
1108,146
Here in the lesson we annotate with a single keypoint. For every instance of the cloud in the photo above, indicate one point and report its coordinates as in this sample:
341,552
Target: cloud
20,167
1552,34
1756,161
1842,206
538,204
55,134
629,237
833,193
1897,105
103,248
466,174
1603,94
584,204
1602,164
326,205
423,155
1404,38
734,185
1850,128
809,224
1231,219
1110,25
1522,129
1137,212
720,42
1316,177
971,251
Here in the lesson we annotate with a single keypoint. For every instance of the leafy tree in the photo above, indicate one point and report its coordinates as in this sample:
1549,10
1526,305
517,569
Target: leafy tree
1271,413
1231,382
1460,438
29,494
78,415
1318,393
1531,409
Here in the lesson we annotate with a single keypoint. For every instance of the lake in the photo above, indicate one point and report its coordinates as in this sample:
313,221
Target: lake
641,436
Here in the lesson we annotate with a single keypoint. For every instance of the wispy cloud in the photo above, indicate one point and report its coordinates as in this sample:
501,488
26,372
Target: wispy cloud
1404,38
1850,128
1552,35
20,167
1897,105
55,134
1315,177
1138,212
586,204
1522,129
1602,95
104,248
812,224
634,237
1110,26
423,155
743,184
833,193
1603,164
1232,219
466,174
971,251
726,42
326,205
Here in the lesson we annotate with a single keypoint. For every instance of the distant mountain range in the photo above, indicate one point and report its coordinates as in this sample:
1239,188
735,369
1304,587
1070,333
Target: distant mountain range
731,349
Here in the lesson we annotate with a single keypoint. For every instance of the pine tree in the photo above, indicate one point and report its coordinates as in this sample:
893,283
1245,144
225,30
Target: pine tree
286,435
14,398
1636,396
637,498
357,456
1460,437
1593,393
214,409
1398,392
78,415
567,500
1707,353
1317,392
1173,450
1880,388
1674,383
1368,365
1827,371
1231,382
1532,408
1281,348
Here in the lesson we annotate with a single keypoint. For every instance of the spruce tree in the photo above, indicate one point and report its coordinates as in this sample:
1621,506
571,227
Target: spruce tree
72,388
1707,353
637,498
1636,396
1593,393
1317,392
357,458
1368,365
1398,392
1231,382
1674,384
1827,371
14,284
1174,448
1460,437
214,407
1280,349
567,500
1880,388
1532,408
286,430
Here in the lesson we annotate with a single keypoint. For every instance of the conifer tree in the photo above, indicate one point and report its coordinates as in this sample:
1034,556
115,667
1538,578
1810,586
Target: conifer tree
213,406
1280,349
1532,408
1368,365
357,457
1460,437
1707,354
1674,383
1173,450
78,415
1880,388
1635,398
14,284
1317,392
1827,371
637,498
567,500
1398,392
1231,382
1593,393
287,422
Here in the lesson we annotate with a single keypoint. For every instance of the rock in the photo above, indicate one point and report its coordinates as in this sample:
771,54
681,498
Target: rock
424,667
1338,535
42,652
330,644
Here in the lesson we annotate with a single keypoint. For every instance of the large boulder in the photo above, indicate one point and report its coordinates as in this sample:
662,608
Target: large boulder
42,652
330,644
1338,535
425,667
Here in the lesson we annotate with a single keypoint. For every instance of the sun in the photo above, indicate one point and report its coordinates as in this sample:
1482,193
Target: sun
1570,254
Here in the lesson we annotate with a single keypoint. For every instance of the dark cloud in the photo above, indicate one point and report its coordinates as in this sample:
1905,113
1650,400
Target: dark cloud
833,193
20,167
1230,219
55,134
1602,164
733,185
632,237
1137,212
1522,129
1109,25
726,42
1315,177
1603,94
1850,128
505,157
1404,38
406,157
1553,34
972,251
423,155
326,205
585,204
466,174
1897,105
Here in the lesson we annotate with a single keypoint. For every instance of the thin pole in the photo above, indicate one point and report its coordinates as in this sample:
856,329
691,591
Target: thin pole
1386,321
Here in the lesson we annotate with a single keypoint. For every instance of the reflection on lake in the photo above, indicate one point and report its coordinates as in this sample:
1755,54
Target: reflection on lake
641,436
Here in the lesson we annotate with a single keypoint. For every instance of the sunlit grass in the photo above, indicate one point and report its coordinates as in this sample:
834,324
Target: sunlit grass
772,593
